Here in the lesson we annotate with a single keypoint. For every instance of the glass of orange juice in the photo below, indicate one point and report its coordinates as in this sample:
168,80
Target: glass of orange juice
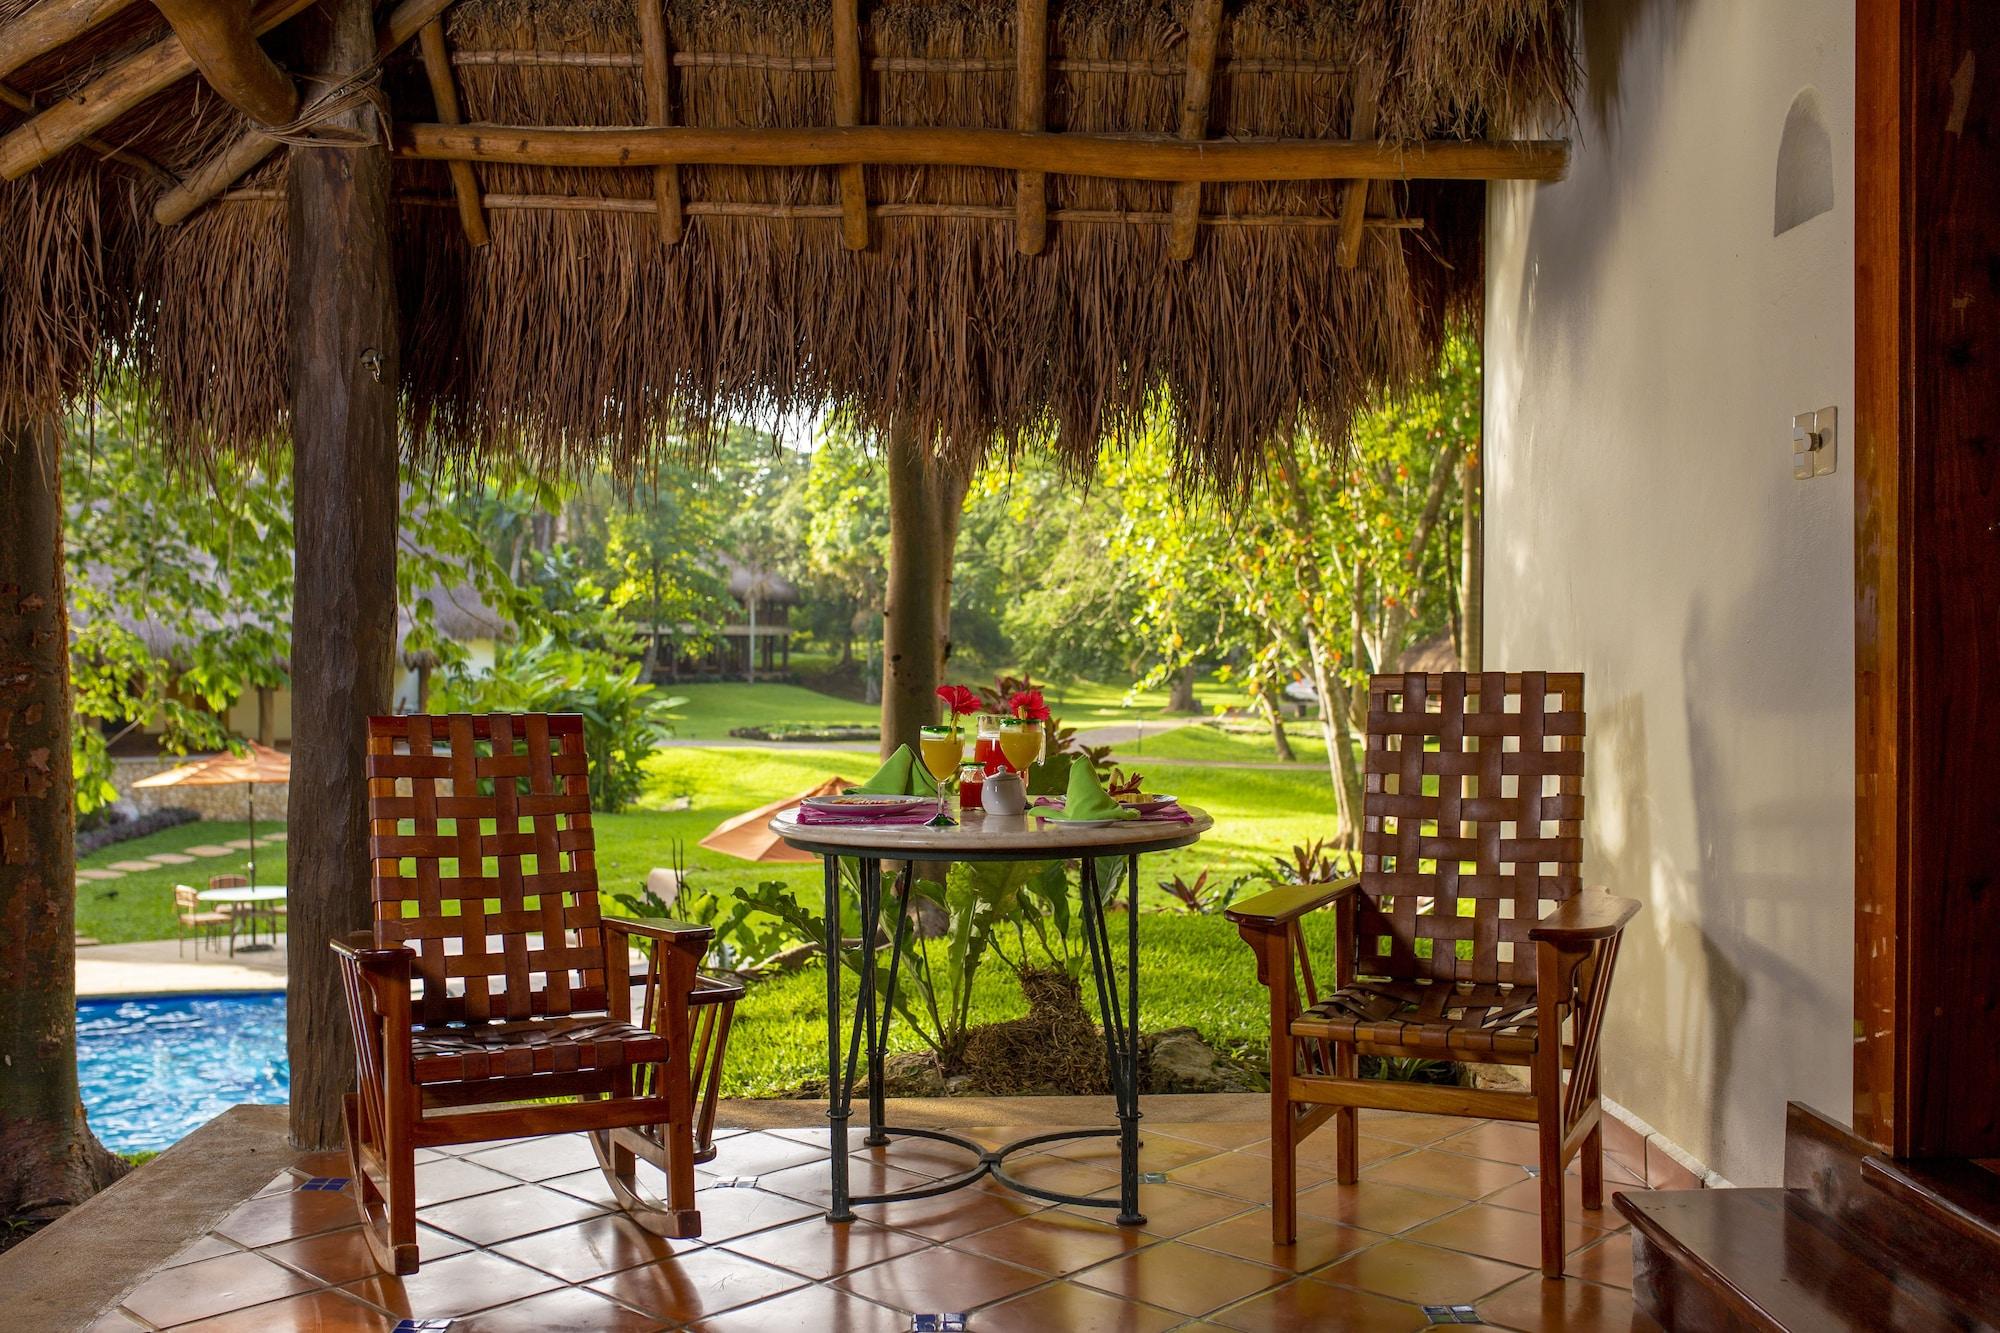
942,750
1020,742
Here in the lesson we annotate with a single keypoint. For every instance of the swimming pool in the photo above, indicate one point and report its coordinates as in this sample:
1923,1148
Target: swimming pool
154,1068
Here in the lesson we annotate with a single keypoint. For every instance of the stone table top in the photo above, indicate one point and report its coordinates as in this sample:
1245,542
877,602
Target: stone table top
983,837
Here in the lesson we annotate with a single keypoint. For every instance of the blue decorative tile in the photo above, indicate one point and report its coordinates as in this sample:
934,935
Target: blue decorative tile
422,1325
1451,1314
331,1184
733,1183
937,1323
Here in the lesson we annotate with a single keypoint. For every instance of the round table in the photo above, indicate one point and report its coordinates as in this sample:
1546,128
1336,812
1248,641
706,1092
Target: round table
980,837
249,895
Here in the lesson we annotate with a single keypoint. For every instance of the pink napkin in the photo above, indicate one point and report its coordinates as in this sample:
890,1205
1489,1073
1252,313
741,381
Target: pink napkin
807,815
1170,813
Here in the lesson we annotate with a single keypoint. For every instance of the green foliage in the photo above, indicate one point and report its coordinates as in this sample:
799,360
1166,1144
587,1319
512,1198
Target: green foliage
746,935
623,717
1198,896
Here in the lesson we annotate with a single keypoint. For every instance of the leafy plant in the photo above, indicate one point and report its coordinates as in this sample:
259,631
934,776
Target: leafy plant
623,717
1312,863
746,937
1201,897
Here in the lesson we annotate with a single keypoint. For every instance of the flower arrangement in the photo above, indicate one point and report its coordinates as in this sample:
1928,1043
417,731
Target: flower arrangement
1027,704
961,700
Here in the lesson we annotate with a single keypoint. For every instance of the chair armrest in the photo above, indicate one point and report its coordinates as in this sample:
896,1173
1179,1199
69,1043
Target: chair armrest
391,960
1588,917
1289,903
661,929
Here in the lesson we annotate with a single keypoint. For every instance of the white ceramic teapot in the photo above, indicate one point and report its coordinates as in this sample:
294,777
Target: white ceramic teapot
1004,793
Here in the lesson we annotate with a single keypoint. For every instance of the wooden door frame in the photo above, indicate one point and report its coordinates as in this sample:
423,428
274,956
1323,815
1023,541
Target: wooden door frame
1927,578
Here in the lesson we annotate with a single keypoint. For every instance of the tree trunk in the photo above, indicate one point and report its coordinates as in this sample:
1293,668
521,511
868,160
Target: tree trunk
911,632
344,369
49,1159
1279,740
947,505
1339,737
267,715
1472,566
1180,698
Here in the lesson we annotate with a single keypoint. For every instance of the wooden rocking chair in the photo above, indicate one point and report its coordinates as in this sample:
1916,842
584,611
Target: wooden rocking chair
521,995
1467,936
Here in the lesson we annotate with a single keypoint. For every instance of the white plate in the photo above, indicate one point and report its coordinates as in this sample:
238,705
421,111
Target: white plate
1147,802
868,803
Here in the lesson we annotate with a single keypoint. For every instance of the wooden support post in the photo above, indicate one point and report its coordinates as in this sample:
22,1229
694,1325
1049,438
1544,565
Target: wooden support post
1204,34
656,55
218,37
847,111
230,165
1354,195
110,95
344,369
444,93
1031,98
49,25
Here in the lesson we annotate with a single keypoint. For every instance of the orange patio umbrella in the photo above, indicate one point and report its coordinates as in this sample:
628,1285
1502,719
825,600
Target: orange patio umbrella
260,763
745,836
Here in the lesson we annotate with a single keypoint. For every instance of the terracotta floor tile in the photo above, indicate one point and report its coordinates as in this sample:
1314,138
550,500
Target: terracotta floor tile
332,1162
206,1247
997,1136
923,1157
812,1182
1609,1261
1538,1306
1445,1173
949,1216
112,1321
453,1287
1246,1175
284,1182
811,1310
1419,1274
820,1249
1181,1277
1057,1241
1306,1304
488,1219
211,1287
1498,1141
540,1159
1157,1151
275,1217
727,1214
691,1286
312,1312
1376,1205
337,1257
1498,1233
757,1154
1526,1196
1320,1149
1065,1175
1222,1133
1664,1173
1073,1309
1249,1237
594,1247
568,1310
456,1178
939,1280
1172,1209
1412,1127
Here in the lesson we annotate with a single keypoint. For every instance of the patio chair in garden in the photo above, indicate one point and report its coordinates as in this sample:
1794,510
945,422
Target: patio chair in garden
490,980
206,922
1467,936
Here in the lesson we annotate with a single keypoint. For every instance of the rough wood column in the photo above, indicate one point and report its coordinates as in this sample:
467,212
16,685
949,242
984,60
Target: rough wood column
344,360
912,627
49,1160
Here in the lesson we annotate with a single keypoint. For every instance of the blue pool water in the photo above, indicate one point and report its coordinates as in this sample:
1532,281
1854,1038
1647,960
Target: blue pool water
154,1069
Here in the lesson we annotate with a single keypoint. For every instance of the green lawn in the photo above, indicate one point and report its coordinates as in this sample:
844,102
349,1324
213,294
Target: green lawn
140,905
1209,743
1092,703
712,709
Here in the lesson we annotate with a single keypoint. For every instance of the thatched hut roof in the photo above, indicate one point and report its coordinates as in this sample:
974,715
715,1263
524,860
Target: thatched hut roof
581,326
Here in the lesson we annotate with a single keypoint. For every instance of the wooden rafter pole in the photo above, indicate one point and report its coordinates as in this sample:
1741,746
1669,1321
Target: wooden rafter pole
444,93
49,25
656,56
1354,195
219,39
1111,156
847,111
112,94
1204,34
1031,101
230,165
20,101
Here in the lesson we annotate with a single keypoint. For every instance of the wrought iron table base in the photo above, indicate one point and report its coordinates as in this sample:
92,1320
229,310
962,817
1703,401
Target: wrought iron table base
1121,1041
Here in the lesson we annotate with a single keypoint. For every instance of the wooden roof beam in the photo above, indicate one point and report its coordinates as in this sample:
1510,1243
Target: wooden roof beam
1204,34
1109,156
1031,97
847,111
219,38
444,95
656,56
49,25
1354,195
112,94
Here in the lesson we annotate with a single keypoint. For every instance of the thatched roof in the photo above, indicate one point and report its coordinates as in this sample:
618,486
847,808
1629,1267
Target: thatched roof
579,329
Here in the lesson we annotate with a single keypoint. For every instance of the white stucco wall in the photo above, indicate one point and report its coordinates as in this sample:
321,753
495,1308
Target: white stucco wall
1648,340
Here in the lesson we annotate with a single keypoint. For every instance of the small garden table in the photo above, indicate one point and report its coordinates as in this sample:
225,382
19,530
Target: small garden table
980,837
254,896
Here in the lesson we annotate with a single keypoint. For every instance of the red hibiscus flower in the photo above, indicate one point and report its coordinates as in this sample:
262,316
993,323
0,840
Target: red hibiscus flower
1028,703
960,700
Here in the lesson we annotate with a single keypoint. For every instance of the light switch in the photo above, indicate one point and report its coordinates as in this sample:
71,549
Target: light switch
1814,439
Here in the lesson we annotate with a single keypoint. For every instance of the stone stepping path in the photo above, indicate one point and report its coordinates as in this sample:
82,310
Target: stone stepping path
170,859
100,874
207,849
186,856
133,867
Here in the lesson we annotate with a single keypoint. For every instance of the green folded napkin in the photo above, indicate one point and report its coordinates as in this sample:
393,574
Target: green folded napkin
900,775
1086,800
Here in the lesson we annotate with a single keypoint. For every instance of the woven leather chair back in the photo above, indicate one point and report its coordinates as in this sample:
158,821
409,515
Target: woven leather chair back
484,864
1472,818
